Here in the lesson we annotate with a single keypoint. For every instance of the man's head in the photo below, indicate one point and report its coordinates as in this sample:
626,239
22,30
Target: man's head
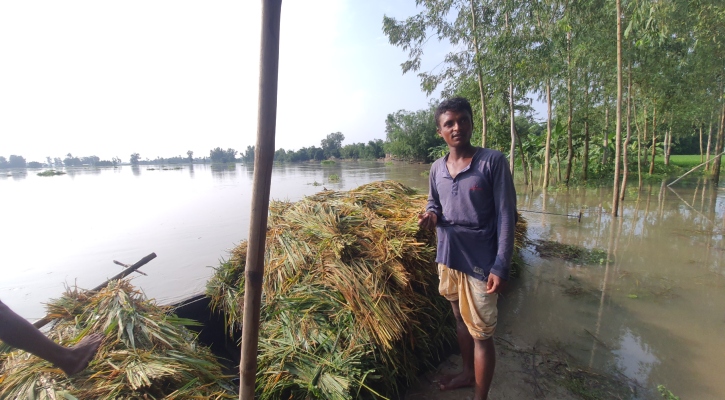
457,104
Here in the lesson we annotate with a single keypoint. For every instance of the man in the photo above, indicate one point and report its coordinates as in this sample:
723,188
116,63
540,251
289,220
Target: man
472,205
17,332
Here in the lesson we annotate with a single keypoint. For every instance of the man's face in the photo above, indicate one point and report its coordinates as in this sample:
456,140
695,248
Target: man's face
455,128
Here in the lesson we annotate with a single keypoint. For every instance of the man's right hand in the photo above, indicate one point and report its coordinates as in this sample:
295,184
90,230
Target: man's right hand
427,220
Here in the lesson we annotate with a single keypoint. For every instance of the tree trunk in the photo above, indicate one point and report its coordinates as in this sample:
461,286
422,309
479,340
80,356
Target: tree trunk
625,148
570,145
664,147
524,164
479,76
558,163
585,161
618,122
547,151
709,140
513,128
702,153
606,136
669,145
718,150
654,138
639,145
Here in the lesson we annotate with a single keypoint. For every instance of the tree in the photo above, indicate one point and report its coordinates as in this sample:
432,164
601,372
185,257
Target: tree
16,161
4,162
190,156
218,155
332,144
248,156
134,158
412,135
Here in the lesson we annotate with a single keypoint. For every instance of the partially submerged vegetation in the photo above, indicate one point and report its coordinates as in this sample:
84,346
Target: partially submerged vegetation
50,172
350,307
571,253
146,353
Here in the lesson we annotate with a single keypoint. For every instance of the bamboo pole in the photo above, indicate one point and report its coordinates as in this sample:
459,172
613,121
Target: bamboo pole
263,157
128,271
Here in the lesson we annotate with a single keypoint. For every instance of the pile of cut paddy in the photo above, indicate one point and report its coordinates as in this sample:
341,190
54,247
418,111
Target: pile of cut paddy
350,306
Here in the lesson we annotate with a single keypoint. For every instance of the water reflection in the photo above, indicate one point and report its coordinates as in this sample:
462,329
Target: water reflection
224,171
652,309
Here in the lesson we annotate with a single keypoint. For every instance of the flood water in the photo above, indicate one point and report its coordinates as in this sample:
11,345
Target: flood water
654,309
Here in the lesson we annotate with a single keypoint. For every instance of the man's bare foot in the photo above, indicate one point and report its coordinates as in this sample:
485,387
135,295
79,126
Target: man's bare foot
460,380
81,354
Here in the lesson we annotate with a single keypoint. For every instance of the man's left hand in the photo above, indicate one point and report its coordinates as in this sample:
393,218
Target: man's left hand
494,284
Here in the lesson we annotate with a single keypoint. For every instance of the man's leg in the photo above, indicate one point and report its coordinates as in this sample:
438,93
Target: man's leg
467,377
17,332
485,363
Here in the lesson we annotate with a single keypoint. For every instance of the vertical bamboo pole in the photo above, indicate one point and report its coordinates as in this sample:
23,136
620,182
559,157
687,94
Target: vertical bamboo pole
263,157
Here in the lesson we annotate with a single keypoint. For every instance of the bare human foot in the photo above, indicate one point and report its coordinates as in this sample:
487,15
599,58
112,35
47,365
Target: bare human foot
81,354
460,380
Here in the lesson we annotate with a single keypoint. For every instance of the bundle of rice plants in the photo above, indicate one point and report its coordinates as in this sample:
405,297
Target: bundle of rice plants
146,353
350,303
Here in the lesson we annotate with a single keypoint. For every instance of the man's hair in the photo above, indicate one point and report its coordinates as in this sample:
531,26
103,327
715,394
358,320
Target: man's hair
457,104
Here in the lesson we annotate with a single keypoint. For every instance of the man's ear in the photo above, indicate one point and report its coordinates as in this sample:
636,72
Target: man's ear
438,130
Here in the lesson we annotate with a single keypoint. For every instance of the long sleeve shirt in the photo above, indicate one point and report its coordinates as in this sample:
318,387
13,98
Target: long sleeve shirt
476,213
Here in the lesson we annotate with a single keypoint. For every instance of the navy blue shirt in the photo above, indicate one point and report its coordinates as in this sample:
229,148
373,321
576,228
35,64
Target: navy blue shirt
476,213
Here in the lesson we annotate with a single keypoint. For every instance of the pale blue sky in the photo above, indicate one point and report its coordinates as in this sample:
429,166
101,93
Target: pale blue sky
162,77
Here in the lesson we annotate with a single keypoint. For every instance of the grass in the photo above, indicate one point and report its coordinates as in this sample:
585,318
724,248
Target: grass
333,178
327,162
50,172
684,160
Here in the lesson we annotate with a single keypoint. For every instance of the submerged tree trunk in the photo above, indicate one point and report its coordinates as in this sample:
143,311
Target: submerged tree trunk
479,76
618,122
547,151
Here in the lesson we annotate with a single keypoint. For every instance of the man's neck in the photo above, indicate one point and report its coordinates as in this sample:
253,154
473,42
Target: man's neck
462,152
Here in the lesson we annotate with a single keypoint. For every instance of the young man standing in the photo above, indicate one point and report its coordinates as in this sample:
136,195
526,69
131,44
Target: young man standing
472,205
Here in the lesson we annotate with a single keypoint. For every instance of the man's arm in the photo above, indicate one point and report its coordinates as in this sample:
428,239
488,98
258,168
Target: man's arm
504,195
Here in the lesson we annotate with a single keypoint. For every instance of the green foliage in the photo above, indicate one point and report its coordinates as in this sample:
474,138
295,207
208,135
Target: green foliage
327,162
411,135
218,155
16,162
334,178
50,172
332,144
666,393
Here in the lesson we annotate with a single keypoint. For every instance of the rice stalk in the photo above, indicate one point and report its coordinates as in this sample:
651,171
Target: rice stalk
145,353
350,302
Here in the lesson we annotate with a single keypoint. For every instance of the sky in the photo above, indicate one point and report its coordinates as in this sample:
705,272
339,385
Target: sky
163,77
